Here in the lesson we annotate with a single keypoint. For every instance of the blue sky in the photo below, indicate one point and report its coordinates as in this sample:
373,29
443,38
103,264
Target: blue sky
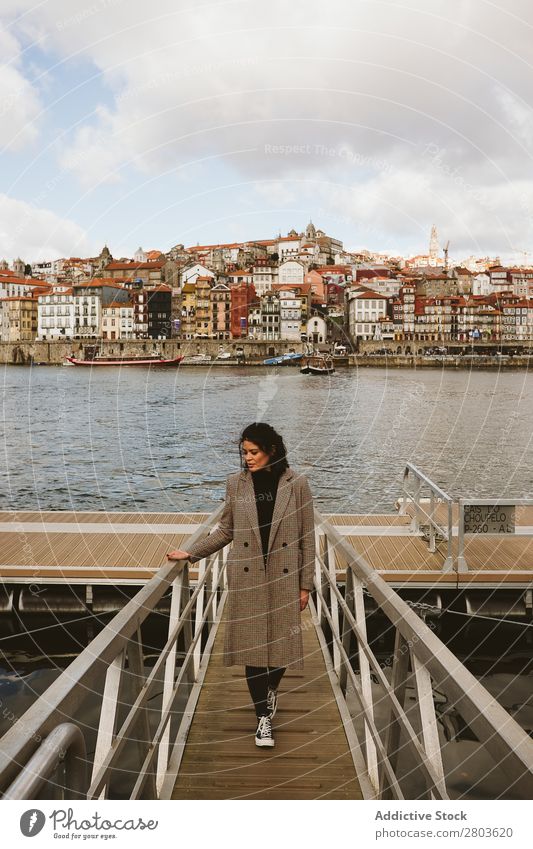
132,124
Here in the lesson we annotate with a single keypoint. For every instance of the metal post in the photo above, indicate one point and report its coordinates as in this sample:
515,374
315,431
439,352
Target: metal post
142,726
448,563
462,565
400,667
432,545
168,685
108,716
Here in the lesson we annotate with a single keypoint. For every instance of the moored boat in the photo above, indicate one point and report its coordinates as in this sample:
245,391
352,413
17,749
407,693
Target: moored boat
155,360
283,359
317,364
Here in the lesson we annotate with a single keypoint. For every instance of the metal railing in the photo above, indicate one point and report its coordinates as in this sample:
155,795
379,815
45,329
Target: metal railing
193,617
425,490
488,517
64,746
421,662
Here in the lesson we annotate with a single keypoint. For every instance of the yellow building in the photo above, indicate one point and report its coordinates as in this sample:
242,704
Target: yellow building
204,320
18,319
188,311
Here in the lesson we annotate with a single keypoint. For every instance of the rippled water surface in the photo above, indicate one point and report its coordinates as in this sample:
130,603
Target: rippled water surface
130,439
126,439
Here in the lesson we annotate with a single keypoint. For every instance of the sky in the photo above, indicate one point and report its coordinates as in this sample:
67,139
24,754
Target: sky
133,124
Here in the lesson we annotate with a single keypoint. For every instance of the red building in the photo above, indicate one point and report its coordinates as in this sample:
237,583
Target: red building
242,297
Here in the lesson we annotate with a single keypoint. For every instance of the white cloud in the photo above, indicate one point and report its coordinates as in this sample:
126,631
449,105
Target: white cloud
19,102
384,81
36,234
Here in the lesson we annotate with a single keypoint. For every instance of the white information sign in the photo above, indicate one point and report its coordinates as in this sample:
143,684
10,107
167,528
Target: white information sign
489,519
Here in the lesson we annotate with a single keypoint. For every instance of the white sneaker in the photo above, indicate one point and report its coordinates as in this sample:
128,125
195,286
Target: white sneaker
272,702
263,735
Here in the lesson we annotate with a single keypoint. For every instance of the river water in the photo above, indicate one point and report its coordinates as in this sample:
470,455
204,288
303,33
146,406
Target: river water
125,439
160,440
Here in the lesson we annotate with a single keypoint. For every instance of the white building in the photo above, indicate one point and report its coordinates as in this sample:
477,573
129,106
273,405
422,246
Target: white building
255,323
388,286
365,311
193,272
117,320
264,277
481,285
291,271
270,316
16,287
317,329
235,278
56,315
289,246
87,316
290,313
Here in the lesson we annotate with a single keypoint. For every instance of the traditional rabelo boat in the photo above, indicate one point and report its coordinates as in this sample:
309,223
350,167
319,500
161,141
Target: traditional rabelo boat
150,360
317,364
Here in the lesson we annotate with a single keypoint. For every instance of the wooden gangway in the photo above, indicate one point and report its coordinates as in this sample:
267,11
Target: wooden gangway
311,758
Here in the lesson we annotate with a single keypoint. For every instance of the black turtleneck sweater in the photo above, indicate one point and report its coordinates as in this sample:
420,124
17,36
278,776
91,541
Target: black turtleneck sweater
265,488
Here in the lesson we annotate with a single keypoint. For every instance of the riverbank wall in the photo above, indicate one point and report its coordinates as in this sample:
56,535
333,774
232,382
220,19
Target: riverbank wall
54,353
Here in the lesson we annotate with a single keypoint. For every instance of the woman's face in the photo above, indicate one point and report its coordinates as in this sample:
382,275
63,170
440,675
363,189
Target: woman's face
253,456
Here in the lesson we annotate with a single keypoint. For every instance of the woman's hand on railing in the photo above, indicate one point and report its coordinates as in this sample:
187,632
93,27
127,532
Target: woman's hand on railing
304,599
178,554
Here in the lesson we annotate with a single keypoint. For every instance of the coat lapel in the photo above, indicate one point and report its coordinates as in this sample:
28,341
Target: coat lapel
280,505
250,507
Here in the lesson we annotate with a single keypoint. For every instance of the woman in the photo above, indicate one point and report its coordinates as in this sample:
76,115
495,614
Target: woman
268,513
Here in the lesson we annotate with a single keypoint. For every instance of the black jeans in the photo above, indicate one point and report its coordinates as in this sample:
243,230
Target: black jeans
259,679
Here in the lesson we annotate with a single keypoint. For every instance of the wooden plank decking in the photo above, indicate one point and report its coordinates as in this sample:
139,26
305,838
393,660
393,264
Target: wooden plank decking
407,559
67,546
311,758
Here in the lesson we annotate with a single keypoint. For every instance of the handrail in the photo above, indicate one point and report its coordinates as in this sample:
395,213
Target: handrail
106,655
420,659
65,744
436,497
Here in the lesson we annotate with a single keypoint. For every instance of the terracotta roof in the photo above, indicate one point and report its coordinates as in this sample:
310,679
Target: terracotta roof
18,298
133,266
299,287
97,283
335,269
369,295
116,304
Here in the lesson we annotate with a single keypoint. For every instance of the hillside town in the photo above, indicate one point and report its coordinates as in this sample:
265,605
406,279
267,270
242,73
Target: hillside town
300,287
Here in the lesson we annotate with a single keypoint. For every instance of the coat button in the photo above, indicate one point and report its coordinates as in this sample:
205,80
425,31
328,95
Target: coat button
284,544
246,568
245,544
285,570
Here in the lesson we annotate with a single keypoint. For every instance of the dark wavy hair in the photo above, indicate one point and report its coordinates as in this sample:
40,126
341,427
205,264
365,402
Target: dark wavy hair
268,440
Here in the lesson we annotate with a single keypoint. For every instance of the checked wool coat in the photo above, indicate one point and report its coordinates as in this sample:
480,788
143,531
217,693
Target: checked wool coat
263,624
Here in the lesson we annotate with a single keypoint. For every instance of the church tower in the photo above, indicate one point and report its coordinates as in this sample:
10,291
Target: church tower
19,268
